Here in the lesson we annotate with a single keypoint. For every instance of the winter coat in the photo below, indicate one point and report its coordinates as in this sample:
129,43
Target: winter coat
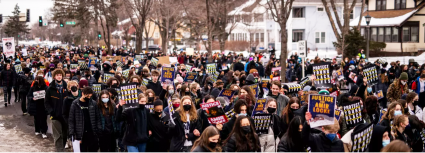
238,67
54,100
376,140
269,141
25,83
282,101
156,87
76,119
230,146
160,134
319,142
137,120
200,149
284,146
36,107
178,133
416,86
103,121
396,90
228,127
91,80
8,78
67,104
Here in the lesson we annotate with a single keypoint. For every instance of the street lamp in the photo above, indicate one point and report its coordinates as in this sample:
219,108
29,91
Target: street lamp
367,17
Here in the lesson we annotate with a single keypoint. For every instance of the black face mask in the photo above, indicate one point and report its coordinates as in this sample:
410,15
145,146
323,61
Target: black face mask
415,103
114,85
87,75
187,107
59,82
74,88
150,99
212,145
187,93
292,110
178,90
271,110
158,113
236,92
246,129
406,110
220,88
86,99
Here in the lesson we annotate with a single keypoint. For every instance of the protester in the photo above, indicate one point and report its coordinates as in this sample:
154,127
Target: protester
282,100
159,123
208,141
268,141
328,137
292,140
8,77
396,146
36,107
108,129
243,137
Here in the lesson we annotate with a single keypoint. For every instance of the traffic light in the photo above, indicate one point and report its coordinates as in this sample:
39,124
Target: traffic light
99,36
61,24
28,15
1,18
40,21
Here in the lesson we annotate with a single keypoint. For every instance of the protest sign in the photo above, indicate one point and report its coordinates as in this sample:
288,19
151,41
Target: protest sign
304,81
190,76
128,93
214,77
39,94
119,64
259,107
262,123
422,134
82,64
92,61
106,76
230,113
18,68
254,89
264,83
125,73
352,113
167,76
371,74
145,82
9,47
323,75
154,61
24,52
73,67
215,113
291,87
379,94
322,109
211,68
382,112
189,51
227,93
164,60
173,60
97,88
188,68
337,114
361,138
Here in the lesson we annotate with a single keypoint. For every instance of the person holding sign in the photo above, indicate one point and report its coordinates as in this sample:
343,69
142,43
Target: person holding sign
208,142
159,122
109,128
137,132
326,141
243,137
268,141
187,126
36,107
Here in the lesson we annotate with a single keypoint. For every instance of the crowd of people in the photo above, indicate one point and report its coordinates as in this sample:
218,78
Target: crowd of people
88,121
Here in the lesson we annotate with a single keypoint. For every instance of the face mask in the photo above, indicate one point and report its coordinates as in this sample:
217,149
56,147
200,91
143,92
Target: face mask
385,142
246,129
158,113
357,58
141,105
187,107
293,110
415,103
220,88
176,105
406,109
403,82
74,89
86,99
271,110
331,136
396,113
170,92
346,61
150,99
242,114
369,89
105,100
187,93
114,85
212,145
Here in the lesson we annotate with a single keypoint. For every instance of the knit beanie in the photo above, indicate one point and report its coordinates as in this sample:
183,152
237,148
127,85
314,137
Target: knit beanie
83,83
157,103
404,76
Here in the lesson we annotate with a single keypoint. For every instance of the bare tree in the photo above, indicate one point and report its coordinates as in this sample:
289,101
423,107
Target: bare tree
280,10
138,11
105,11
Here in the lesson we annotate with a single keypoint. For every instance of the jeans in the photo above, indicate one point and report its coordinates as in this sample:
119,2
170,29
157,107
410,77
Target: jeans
139,148
7,91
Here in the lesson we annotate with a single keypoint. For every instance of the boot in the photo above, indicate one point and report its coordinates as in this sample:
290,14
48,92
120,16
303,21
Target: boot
5,104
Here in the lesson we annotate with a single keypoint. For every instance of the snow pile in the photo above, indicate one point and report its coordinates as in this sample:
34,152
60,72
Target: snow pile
395,21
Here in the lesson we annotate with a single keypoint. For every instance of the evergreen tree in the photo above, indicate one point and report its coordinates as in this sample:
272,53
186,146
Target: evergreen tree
14,27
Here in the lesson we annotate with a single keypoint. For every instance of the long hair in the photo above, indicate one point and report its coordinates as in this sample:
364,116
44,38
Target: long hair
287,110
101,105
183,90
371,104
396,124
390,113
166,92
396,146
40,81
250,94
203,141
192,112
293,135
244,142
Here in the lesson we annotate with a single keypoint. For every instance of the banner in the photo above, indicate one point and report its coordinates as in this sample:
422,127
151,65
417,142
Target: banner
173,60
39,94
145,82
304,81
259,107
82,64
9,47
125,73
211,68
190,76
97,88
215,112
291,87
92,61
379,94
352,113
128,93
18,68
154,61
254,89
322,109
361,138
229,114
371,74
73,67
167,75
262,123
106,76
323,75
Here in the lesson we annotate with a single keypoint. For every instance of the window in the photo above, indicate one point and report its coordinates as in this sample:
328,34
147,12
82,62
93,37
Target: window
373,34
400,4
320,37
258,17
230,19
352,14
362,32
395,35
251,36
414,34
298,12
387,34
297,35
262,37
406,34
320,9
246,18
257,37
381,34
381,5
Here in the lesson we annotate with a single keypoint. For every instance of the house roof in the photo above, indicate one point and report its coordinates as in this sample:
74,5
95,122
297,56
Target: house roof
387,17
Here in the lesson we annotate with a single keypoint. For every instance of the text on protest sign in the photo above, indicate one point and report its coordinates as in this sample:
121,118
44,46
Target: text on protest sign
322,109
259,107
215,112
39,94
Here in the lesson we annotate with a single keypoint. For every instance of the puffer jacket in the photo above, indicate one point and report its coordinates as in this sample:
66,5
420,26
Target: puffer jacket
36,107
91,80
8,78
76,119
396,90
136,120
67,104
269,141
284,146
319,142
25,83
54,100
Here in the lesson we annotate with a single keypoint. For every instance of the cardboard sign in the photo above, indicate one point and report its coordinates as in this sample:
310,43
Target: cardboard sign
39,94
164,60
173,60
189,51
215,112
322,109
259,107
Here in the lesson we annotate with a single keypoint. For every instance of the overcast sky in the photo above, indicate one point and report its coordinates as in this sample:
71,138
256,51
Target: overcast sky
37,8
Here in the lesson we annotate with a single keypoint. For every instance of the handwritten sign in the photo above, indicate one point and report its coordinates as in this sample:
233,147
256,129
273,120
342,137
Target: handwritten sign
39,94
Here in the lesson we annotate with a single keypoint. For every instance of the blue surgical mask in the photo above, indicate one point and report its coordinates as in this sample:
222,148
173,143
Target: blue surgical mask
242,114
105,100
385,142
331,136
369,89
396,113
